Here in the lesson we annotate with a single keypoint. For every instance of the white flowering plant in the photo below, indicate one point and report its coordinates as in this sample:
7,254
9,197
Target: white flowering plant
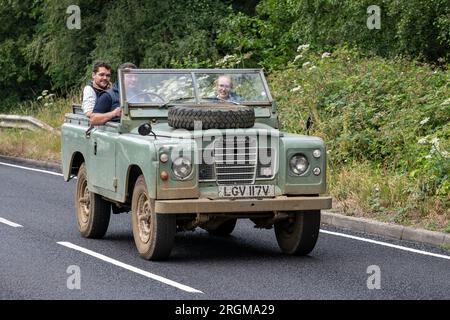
46,98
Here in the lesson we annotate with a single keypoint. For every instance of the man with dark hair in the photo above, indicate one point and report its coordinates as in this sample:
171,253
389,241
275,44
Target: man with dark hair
101,73
107,106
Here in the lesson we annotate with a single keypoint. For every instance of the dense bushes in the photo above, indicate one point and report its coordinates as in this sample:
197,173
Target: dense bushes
161,33
38,51
148,33
419,29
19,78
388,116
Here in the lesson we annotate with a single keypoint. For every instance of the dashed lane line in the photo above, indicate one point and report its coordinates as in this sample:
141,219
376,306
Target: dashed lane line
130,268
10,223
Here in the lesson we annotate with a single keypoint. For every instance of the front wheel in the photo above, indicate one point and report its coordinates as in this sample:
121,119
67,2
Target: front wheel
154,234
92,211
298,235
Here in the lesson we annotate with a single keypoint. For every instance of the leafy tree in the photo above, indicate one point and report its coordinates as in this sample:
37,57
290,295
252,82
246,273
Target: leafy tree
63,52
260,40
19,79
419,29
148,33
161,34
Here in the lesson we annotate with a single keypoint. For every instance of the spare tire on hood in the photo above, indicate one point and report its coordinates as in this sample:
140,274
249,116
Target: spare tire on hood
211,116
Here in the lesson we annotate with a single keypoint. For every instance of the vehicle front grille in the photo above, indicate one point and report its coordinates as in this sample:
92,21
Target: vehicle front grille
235,160
206,172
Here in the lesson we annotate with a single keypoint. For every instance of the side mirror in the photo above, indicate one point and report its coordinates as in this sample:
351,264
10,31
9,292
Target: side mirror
145,129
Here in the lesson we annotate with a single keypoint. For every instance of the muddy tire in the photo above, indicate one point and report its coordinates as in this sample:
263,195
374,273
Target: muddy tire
211,117
154,234
92,211
298,235
224,229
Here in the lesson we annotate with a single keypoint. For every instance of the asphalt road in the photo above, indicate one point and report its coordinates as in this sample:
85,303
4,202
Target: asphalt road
42,253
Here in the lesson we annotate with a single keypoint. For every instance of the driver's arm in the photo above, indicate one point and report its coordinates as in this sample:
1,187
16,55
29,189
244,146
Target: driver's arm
101,113
102,118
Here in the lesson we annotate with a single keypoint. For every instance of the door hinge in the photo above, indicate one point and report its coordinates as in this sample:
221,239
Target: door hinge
115,183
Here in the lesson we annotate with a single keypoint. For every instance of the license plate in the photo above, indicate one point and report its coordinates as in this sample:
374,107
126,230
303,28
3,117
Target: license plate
247,191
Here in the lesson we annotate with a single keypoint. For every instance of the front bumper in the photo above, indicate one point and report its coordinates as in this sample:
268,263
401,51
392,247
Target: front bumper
281,203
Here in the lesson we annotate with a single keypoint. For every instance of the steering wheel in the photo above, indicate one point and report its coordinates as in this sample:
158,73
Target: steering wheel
148,94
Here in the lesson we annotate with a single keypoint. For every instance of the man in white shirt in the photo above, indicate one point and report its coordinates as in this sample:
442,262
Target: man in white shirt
101,75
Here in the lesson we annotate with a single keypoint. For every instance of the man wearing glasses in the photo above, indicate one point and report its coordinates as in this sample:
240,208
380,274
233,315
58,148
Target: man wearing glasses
224,87
101,75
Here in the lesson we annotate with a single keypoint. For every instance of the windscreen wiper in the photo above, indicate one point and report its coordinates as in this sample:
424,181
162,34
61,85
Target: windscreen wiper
173,101
220,99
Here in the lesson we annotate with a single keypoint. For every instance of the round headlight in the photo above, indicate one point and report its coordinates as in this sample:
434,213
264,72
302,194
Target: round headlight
181,167
298,164
164,157
317,153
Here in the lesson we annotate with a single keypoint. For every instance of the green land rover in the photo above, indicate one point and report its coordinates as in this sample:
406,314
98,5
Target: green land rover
195,148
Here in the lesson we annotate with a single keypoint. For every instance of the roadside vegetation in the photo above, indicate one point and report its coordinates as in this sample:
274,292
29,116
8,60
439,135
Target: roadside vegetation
386,125
379,98
38,144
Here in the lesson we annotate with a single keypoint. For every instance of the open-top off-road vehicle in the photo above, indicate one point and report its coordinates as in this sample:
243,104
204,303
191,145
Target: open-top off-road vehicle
181,156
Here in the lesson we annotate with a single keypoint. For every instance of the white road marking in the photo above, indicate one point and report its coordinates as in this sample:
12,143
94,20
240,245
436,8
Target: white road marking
130,268
386,244
10,223
31,169
324,231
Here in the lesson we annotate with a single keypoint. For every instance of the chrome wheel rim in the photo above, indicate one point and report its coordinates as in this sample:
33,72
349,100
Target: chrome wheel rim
144,217
85,203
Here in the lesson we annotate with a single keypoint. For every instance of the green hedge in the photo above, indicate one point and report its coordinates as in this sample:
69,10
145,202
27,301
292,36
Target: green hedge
414,28
391,113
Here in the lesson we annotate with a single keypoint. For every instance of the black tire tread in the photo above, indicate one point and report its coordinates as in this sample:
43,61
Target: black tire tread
183,117
100,210
303,240
163,229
